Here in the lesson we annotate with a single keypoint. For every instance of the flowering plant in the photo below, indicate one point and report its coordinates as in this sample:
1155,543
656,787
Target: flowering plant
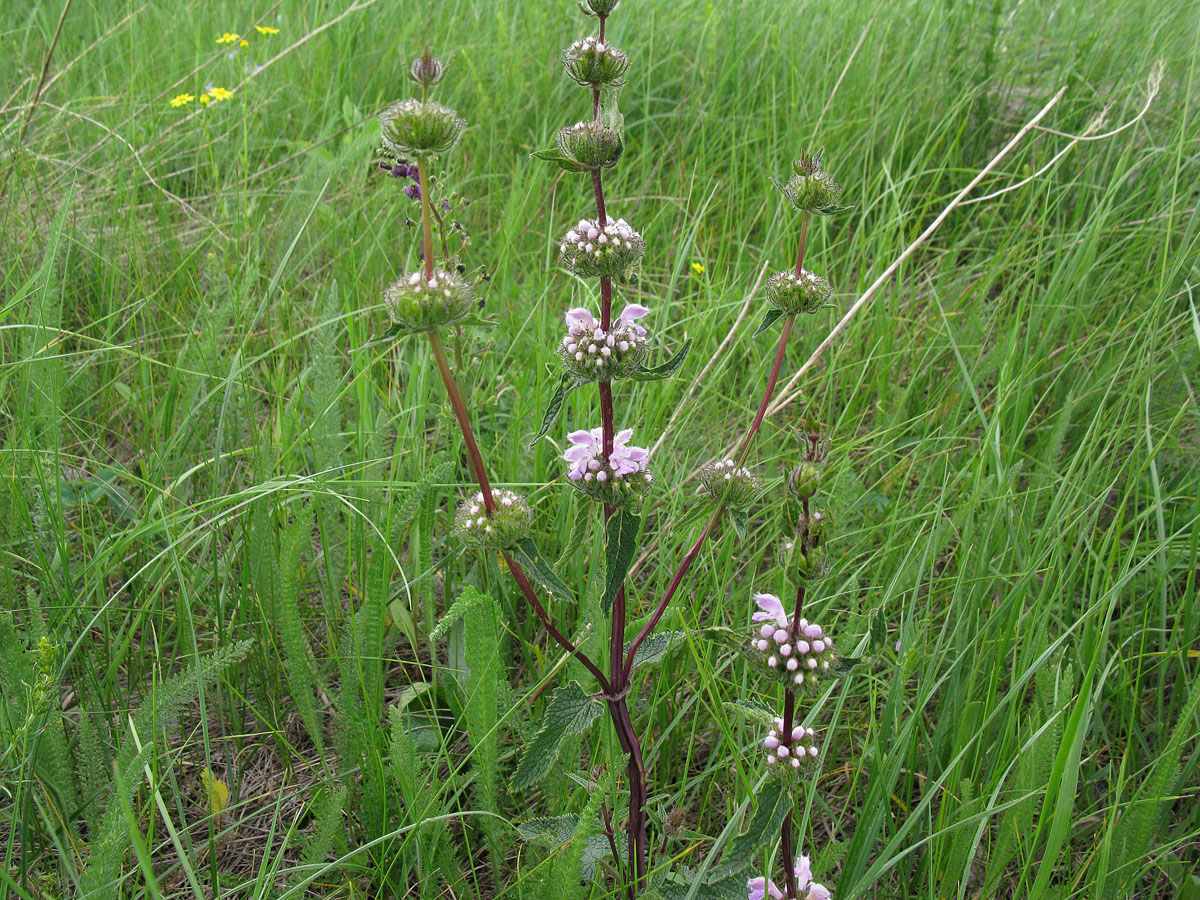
605,347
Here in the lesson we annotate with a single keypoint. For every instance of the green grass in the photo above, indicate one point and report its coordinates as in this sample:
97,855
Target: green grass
201,444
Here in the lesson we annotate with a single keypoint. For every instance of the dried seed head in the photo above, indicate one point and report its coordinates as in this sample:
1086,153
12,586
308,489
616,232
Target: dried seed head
416,304
419,128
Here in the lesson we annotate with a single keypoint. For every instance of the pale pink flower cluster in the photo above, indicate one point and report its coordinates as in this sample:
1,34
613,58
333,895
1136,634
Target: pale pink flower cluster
807,654
586,456
800,746
807,889
595,354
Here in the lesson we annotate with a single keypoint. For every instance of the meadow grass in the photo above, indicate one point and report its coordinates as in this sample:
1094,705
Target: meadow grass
203,441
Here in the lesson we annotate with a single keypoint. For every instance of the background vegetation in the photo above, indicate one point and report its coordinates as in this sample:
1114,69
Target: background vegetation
225,508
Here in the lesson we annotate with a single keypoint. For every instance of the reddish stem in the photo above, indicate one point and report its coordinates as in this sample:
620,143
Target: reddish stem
769,392
803,239
426,218
474,457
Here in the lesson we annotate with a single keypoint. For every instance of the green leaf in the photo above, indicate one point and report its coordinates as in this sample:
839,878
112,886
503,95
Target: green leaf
740,522
752,711
566,384
571,711
878,628
526,555
844,665
770,317
665,370
655,647
469,597
619,551
595,849
548,831
774,801
553,155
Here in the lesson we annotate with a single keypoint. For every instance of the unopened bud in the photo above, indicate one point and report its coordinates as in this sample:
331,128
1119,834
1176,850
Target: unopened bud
426,70
804,480
597,7
811,189
507,524
591,145
593,63
419,128
794,294
723,480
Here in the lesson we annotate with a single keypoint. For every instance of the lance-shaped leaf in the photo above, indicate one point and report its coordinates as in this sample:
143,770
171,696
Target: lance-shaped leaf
665,370
566,384
878,628
740,522
621,548
655,647
770,317
526,555
752,711
548,831
554,155
571,711
470,596
773,805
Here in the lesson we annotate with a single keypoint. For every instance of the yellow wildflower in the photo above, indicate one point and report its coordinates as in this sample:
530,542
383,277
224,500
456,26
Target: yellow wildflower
220,93
266,29
181,100
228,38
204,98
243,43
698,268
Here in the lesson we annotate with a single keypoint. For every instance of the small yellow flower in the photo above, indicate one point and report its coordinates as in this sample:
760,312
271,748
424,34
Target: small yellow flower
243,43
228,38
698,268
266,29
181,100
204,98
220,93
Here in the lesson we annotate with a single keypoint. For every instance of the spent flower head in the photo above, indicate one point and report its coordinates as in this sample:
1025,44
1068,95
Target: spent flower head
616,479
592,354
724,480
593,63
590,250
417,304
507,524
419,128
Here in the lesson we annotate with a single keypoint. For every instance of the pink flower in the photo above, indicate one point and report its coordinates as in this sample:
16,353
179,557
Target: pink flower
631,312
586,455
761,888
626,460
580,320
772,609
588,445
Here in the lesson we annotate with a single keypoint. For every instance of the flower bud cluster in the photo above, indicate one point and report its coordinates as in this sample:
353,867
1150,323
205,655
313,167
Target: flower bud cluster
597,7
419,128
804,480
416,304
800,651
507,524
591,145
615,479
811,189
795,749
809,562
592,63
794,294
723,480
426,70
590,249
592,354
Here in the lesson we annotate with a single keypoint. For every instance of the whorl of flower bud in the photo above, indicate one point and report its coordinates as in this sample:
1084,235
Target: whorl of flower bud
592,354
420,128
426,70
800,562
723,480
589,250
798,651
763,888
794,295
790,750
617,479
804,480
811,189
593,63
416,304
591,145
506,525
597,7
